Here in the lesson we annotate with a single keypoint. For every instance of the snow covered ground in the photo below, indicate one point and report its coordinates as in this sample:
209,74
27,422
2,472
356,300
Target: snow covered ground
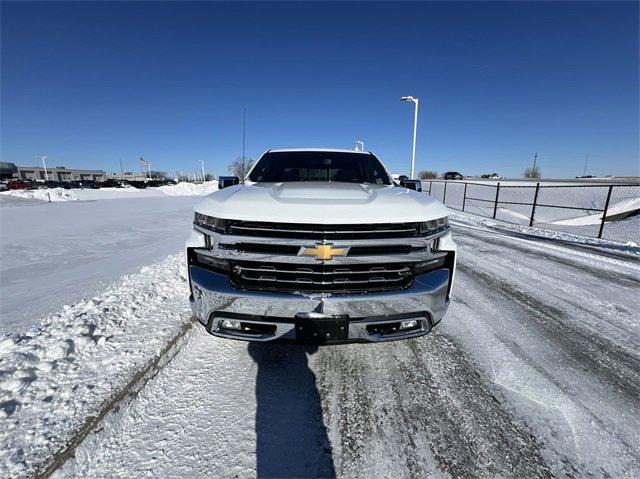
534,372
58,253
54,254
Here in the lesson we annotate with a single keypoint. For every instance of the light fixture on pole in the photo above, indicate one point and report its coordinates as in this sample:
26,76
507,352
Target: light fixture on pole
361,143
46,174
415,127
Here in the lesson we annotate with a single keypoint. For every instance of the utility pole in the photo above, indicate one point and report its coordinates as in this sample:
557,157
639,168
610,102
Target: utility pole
535,159
586,162
121,169
202,165
244,136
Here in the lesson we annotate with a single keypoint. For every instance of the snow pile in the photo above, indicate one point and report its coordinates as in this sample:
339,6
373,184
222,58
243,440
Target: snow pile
44,194
487,223
117,193
55,376
189,189
620,209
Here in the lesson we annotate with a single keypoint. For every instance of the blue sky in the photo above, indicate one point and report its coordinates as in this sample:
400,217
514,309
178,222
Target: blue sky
88,84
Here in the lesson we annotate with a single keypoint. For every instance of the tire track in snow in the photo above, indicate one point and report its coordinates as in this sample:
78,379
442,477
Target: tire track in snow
570,366
219,409
479,243
558,396
432,412
608,308
604,358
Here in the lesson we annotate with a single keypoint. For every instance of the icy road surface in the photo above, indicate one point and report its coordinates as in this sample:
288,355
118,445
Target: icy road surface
534,372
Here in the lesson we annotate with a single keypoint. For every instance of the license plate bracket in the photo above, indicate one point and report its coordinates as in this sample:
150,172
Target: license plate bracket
321,331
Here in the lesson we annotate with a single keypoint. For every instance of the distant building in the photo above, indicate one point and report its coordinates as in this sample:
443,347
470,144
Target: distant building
7,170
59,173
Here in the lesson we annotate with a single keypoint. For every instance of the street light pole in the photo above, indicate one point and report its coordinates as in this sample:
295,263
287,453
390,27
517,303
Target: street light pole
415,129
361,143
202,164
46,174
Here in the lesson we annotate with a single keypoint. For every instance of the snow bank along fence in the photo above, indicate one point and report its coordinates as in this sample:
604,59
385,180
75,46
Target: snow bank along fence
596,210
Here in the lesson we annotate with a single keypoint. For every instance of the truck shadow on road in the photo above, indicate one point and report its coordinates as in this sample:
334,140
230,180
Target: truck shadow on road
291,439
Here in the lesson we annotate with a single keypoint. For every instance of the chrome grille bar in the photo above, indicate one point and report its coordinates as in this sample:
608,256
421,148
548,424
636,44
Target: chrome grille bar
321,277
320,231
276,230
269,269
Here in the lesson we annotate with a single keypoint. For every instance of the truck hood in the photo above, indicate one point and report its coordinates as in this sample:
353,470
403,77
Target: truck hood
321,203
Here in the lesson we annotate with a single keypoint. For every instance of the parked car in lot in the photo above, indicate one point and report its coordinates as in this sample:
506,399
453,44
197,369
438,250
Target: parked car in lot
320,246
110,183
48,184
89,184
84,184
20,185
453,175
3,186
406,182
137,184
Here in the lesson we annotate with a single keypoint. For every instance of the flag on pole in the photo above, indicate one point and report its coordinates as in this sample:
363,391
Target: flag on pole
144,164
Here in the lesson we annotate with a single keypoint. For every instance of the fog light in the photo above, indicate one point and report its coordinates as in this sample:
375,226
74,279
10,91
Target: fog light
230,324
412,324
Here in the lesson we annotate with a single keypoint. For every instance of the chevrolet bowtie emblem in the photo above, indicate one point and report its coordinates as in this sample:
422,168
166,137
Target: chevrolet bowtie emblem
323,252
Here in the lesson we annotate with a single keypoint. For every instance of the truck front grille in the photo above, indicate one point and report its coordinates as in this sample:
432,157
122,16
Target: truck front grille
320,278
322,232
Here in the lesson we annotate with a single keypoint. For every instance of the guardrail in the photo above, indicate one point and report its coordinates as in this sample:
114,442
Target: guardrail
604,211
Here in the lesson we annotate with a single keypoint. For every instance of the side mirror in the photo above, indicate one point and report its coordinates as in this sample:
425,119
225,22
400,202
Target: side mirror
224,181
411,184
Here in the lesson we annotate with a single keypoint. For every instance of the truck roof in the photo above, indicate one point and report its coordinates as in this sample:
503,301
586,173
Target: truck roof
332,150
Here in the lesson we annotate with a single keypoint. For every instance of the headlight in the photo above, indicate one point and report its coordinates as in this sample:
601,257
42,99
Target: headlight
209,222
422,267
428,228
216,264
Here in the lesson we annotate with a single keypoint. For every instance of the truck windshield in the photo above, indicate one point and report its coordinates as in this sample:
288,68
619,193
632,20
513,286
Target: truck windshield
276,167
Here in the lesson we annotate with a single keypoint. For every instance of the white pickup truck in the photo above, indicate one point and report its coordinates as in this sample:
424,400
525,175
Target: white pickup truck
320,246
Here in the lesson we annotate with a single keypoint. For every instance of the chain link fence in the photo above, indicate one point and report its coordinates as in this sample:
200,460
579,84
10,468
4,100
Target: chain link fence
596,210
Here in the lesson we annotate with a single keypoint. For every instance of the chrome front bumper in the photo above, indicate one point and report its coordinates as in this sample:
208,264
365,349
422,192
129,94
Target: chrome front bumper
214,299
